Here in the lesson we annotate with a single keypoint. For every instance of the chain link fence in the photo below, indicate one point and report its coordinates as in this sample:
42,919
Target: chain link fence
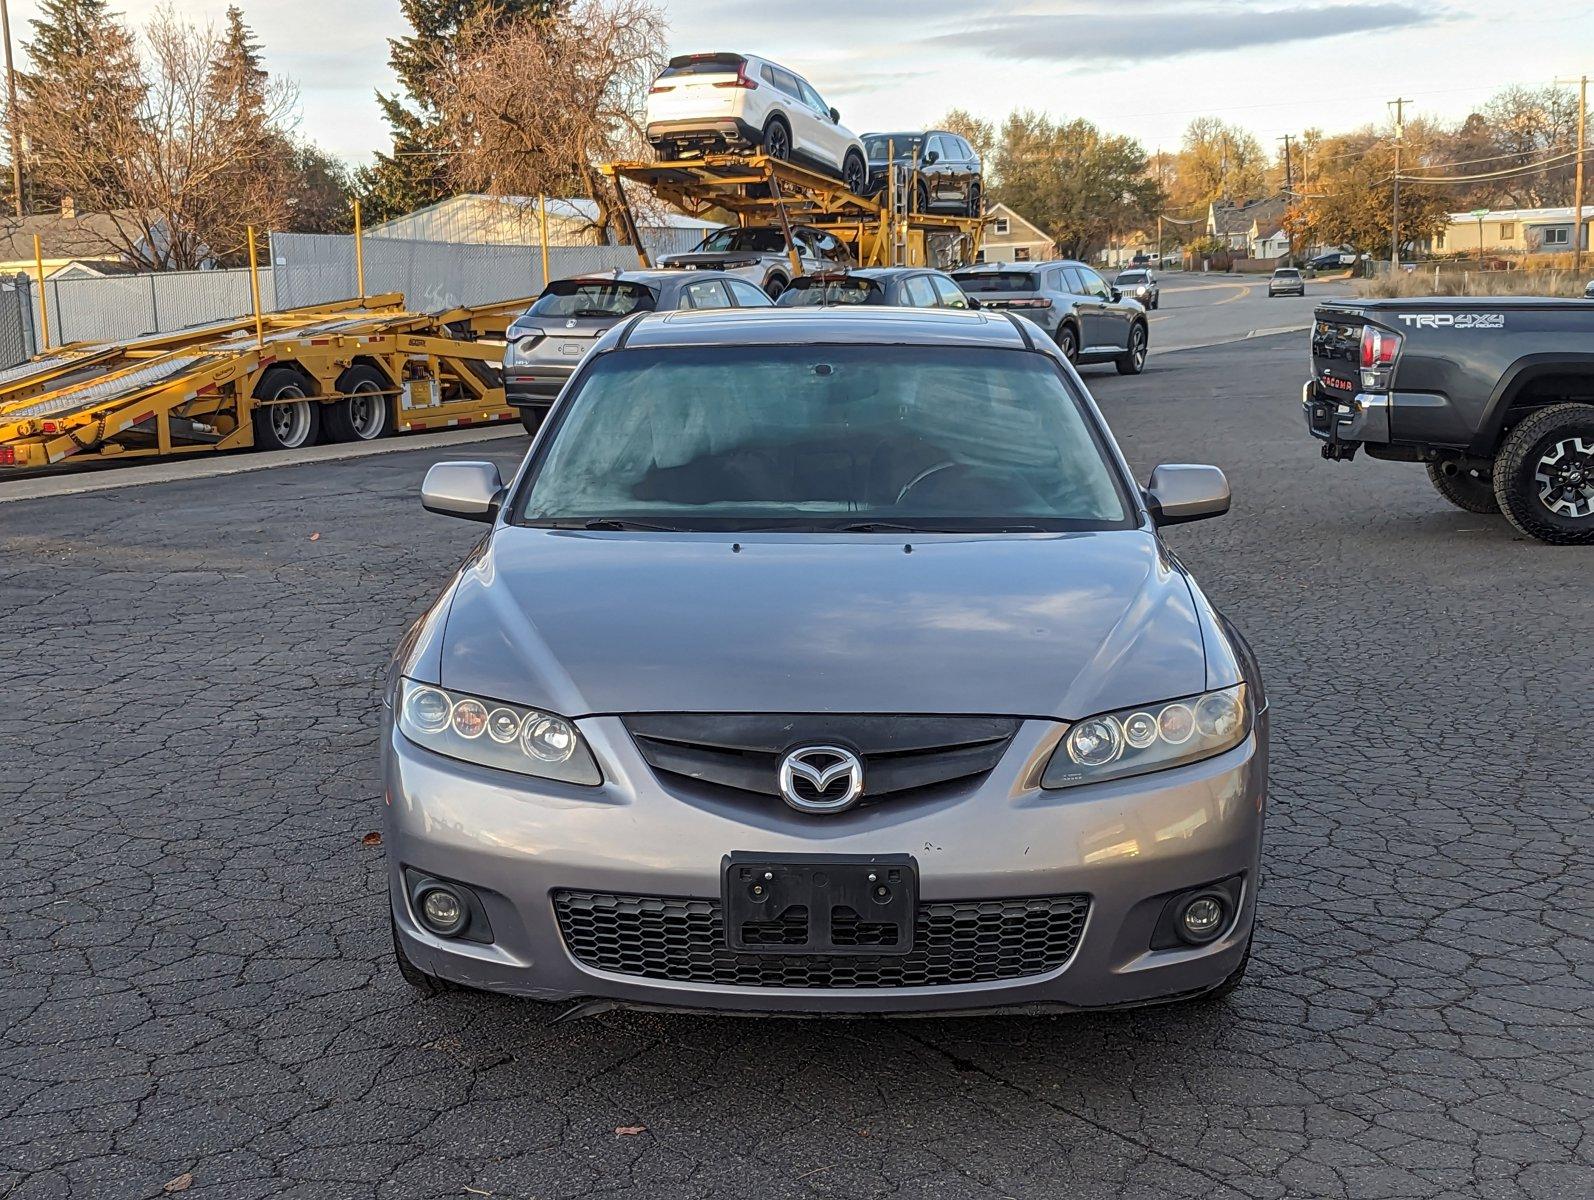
17,338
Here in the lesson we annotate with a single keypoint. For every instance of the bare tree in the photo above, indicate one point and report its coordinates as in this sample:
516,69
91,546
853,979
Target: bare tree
191,157
540,102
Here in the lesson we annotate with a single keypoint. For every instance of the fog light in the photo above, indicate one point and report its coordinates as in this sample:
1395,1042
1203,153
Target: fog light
1202,918
442,911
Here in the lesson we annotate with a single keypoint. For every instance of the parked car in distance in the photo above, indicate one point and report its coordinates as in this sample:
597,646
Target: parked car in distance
1141,284
1588,292
825,660
949,175
1332,260
759,254
545,344
895,287
1090,320
736,102
1287,281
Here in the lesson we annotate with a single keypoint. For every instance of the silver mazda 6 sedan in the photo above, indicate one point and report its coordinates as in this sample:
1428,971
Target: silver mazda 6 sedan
824,660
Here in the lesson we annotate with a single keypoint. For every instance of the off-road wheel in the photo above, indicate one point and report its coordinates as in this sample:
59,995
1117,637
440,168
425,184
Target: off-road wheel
293,420
1544,475
365,413
1133,360
1466,488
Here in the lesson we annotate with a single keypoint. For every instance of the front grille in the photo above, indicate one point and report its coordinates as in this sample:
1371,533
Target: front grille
900,754
954,941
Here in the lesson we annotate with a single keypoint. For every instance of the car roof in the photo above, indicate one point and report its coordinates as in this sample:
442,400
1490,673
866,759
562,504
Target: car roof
870,273
656,275
1006,267
823,326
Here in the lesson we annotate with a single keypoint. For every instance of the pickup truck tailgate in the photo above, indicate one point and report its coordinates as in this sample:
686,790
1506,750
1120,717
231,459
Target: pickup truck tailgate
1336,351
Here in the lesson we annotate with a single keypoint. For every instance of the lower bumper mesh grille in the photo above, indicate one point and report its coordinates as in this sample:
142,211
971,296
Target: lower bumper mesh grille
959,941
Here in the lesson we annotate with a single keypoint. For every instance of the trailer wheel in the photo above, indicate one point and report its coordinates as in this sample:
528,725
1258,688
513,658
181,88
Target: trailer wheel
365,414
293,420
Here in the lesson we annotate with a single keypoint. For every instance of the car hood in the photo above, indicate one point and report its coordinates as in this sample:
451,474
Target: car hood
720,259
1046,625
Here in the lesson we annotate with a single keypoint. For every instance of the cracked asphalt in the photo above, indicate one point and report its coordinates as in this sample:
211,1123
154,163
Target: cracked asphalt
196,993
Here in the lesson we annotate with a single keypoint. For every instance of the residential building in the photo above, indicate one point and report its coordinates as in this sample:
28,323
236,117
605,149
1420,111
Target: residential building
77,244
1269,239
1513,231
1237,225
1012,238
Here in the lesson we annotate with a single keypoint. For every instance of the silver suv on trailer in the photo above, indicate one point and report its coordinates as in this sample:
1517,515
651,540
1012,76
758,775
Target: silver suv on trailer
825,660
1090,320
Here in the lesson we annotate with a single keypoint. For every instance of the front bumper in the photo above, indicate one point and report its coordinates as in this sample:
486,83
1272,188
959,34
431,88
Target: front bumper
1345,422
1124,844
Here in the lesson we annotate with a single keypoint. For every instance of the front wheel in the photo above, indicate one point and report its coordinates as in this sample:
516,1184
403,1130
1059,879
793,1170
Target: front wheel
1133,360
531,419
426,985
1544,475
1467,488
774,286
854,174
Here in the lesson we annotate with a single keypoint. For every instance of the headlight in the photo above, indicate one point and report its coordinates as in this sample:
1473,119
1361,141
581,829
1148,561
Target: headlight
1153,737
505,736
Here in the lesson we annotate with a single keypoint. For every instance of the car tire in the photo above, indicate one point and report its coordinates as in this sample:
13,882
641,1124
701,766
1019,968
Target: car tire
774,286
290,425
921,197
531,418
777,139
426,985
1544,475
1133,360
1466,489
976,206
854,173
365,414
1068,342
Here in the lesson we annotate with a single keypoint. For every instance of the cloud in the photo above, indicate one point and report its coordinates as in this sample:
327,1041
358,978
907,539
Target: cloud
1169,33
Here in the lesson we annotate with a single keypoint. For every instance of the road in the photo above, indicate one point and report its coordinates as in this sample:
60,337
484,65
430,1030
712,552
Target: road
197,988
1201,310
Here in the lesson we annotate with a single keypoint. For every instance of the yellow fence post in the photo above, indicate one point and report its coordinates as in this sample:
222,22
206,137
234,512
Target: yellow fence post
542,234
359,252
254,288
44,306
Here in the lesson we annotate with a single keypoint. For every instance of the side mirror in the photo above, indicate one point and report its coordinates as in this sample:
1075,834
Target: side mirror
472,490
1117,294
973,303
835,116
1180,492
931,157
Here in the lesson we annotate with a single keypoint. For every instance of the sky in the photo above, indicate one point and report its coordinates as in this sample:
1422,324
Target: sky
1142,67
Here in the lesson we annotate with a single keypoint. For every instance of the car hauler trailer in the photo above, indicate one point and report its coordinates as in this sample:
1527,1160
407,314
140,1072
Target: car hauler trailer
759,190
350,371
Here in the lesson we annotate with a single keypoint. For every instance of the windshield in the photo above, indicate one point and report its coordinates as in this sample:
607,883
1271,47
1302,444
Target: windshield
997,281
766,241
874,438
1291,274
903,145
808,290
592,298
1131,277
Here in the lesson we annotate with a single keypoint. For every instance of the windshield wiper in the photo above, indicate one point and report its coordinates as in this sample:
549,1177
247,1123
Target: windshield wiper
611,524
894,527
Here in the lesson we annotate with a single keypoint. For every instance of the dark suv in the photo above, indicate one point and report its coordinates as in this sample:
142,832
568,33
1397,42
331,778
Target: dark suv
949,177
891,287
1090,320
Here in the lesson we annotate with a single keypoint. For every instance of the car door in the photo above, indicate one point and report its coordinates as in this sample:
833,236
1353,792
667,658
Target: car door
745,295
1107,323
968,169
917,292
947,293
830,146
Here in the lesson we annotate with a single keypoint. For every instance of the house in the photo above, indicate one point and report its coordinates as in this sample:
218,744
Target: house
1513,231
1232,224
1011,238
77,243
514,220
1269,240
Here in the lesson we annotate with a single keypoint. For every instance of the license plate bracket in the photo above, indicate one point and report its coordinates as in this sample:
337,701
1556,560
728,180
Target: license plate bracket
858,904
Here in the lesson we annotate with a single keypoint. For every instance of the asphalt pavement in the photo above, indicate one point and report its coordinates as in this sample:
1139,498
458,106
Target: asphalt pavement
1201,309
197,994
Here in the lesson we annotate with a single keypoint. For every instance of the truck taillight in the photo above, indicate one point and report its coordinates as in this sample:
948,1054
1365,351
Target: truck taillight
1379,347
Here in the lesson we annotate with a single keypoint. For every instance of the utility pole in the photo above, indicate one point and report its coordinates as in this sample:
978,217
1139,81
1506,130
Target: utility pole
1394,226
1577,179
11,111
1289,189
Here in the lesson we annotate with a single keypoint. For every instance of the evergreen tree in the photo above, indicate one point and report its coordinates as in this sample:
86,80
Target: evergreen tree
79,49
414,173
236,74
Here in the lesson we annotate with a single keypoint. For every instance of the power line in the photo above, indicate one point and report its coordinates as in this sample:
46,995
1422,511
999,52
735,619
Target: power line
1525,169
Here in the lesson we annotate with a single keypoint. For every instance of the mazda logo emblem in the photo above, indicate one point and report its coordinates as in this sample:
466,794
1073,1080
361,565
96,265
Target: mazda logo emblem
821,779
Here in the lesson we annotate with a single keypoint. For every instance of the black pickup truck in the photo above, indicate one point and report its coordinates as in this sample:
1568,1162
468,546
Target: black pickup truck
1495,395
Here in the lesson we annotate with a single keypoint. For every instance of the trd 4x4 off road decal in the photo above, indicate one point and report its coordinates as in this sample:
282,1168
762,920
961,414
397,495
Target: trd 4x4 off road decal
1453,320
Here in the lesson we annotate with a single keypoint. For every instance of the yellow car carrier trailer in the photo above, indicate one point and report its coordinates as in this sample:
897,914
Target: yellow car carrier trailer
758,190
351,371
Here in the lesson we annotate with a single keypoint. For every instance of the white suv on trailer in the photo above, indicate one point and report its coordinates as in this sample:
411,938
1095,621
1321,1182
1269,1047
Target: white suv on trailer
738,102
